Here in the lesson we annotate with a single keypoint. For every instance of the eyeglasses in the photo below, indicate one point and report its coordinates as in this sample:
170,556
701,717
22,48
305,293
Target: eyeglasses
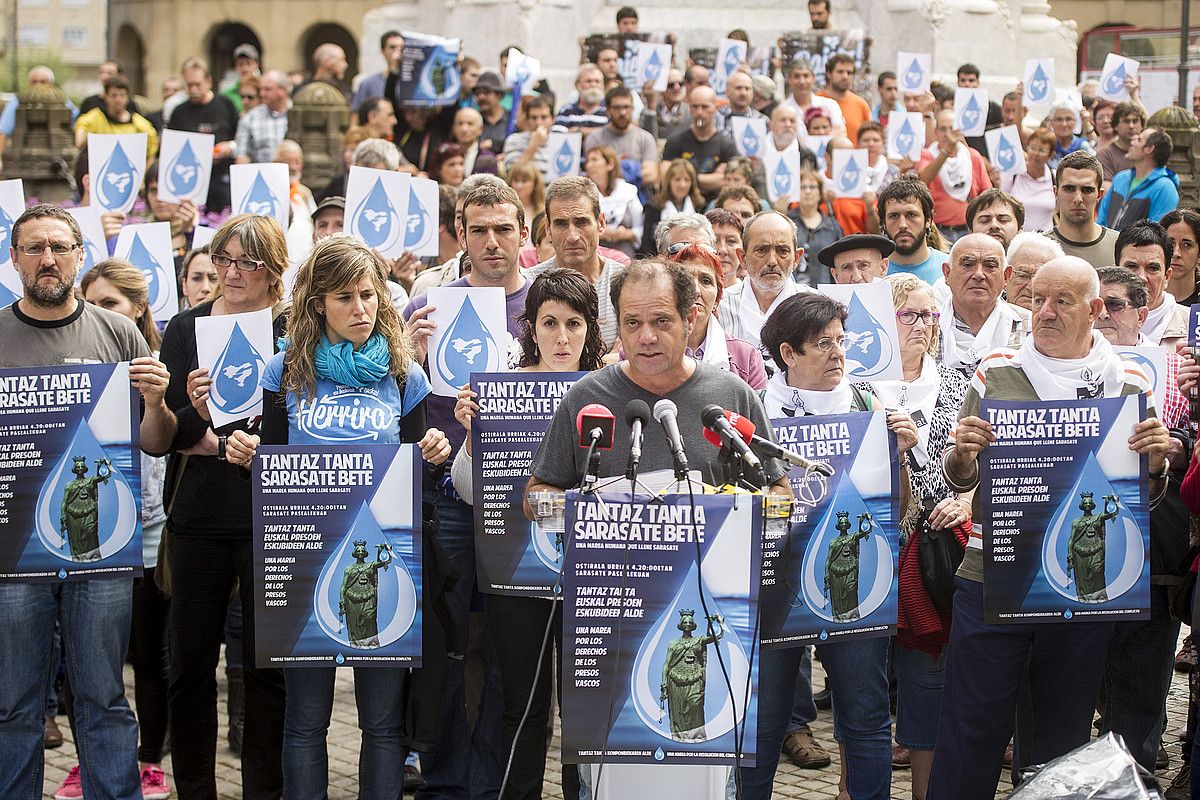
244,264
60,250
674,84
1115,305
909,317
679,247
827,343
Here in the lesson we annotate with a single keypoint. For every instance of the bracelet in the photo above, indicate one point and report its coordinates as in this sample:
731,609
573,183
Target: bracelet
959,488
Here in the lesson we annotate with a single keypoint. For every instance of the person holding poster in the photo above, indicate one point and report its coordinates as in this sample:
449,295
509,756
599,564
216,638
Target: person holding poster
955,173
560,334
211,543
49,326
346,350
1063,359
816,229
182,216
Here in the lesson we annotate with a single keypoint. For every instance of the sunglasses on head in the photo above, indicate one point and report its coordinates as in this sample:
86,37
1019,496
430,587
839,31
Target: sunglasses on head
679,247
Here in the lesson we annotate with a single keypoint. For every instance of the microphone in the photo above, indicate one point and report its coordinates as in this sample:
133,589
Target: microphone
596,425
746,428
637,416
724,428
666,414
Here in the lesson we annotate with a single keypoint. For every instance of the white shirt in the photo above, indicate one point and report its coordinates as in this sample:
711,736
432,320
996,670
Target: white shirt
827,103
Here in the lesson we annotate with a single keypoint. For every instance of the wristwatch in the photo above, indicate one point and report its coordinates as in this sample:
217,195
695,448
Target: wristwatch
1166,471
221,440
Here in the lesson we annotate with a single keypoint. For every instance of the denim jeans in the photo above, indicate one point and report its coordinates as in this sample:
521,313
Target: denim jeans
464,765
378,693
862,721
94,618
919,681
804,707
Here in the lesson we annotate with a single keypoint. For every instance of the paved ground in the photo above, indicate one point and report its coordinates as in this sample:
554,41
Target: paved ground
791,782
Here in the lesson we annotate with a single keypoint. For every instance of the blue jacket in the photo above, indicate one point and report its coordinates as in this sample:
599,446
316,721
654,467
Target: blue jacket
1152,199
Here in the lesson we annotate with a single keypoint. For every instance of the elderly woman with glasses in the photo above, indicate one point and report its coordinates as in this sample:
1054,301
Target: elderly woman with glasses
931,394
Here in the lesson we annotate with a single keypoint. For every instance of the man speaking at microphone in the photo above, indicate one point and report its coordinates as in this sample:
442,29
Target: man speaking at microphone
655,308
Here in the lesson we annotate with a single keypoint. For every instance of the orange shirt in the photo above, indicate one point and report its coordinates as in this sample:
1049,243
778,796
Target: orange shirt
851,214
855,110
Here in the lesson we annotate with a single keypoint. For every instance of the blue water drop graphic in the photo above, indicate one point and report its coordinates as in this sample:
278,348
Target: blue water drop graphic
260,199
236,374
117,181
91,255
140,257
1116,80
396,599
970,113
339,659
7,297
439,78
868,348
905,138
116,509
653,67
731,61
565,158
824,634
62,574
914,75
522,75
1039,86
417,224
850,175
782,179
659,755
183,173
1067,614
466,347
6,223
750,141
375,220
1006,154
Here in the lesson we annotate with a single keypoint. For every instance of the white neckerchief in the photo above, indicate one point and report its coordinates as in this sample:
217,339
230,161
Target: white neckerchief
788,401
670,209
1100,373
955,173
961,350
1158,318
918,395
876,174
714,349
752,317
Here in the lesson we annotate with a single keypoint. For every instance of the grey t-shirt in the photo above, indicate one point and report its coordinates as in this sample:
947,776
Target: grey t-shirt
561,462
634,143
1099,253
91,335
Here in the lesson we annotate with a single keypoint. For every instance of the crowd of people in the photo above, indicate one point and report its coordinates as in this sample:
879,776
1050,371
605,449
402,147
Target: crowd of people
660,269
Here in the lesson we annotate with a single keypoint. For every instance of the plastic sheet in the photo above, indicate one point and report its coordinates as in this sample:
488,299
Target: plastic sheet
1100,770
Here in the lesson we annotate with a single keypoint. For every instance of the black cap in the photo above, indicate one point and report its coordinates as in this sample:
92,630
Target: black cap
856,241
333,201
245,51
489,81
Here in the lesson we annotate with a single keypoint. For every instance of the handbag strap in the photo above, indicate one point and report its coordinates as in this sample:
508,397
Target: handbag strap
178,482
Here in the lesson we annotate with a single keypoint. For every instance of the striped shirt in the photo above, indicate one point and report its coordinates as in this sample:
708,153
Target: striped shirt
608,315
259,133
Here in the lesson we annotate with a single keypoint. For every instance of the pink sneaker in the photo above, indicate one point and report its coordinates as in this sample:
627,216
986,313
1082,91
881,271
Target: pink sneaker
154,784
71,788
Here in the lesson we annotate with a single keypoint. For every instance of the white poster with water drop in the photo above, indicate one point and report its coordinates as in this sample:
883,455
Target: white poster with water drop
148,247
819,146
749,136
12,205
521,71
1004,149
234,348
421,224
781,169
730,55
913,71
116,169
872,338
1039,82
471,335
202,235
95,246
565,152
377,207
1113,75
850,174
905,135
653,65
970,111
184,166
1152,361
261,189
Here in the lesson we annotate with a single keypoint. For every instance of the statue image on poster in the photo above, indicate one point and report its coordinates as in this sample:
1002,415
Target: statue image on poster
359,605
1085,549
842,567
684,674
81,508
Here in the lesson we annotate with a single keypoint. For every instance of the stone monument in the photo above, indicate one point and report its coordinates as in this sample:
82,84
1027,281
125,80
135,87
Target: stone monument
317,120
42,148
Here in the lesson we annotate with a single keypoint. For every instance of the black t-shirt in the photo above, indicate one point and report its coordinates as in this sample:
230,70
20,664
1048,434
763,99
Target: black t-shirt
220,118
705,156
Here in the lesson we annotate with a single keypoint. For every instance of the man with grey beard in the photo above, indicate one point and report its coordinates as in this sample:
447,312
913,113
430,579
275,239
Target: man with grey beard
588,112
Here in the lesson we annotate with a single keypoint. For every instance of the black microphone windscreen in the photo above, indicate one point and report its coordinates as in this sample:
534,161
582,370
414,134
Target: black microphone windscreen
710,414
637,410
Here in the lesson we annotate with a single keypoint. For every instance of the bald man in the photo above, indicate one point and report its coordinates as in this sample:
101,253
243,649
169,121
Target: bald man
975,320
740,91
701,144
984,662
329,66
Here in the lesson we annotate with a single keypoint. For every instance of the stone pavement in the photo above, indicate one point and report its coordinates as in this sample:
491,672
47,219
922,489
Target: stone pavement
790,782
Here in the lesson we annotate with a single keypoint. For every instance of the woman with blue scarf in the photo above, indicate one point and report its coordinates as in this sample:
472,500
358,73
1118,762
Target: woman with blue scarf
345,374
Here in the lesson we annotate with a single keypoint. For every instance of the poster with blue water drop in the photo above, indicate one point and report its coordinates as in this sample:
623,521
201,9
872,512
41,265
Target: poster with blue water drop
653,65
749,136
660,610
565,152
184,166
421,223
513,555
471,335
850,173
730,55
429,74
1039,82
1116,70
377,208
832,574
261,189
1067,533
234,348
337,555
1005,150
905,135
521,72
70,473
782,171
95,245
12,205
872,338
116,169
202,235
148,247
970,111
913,72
